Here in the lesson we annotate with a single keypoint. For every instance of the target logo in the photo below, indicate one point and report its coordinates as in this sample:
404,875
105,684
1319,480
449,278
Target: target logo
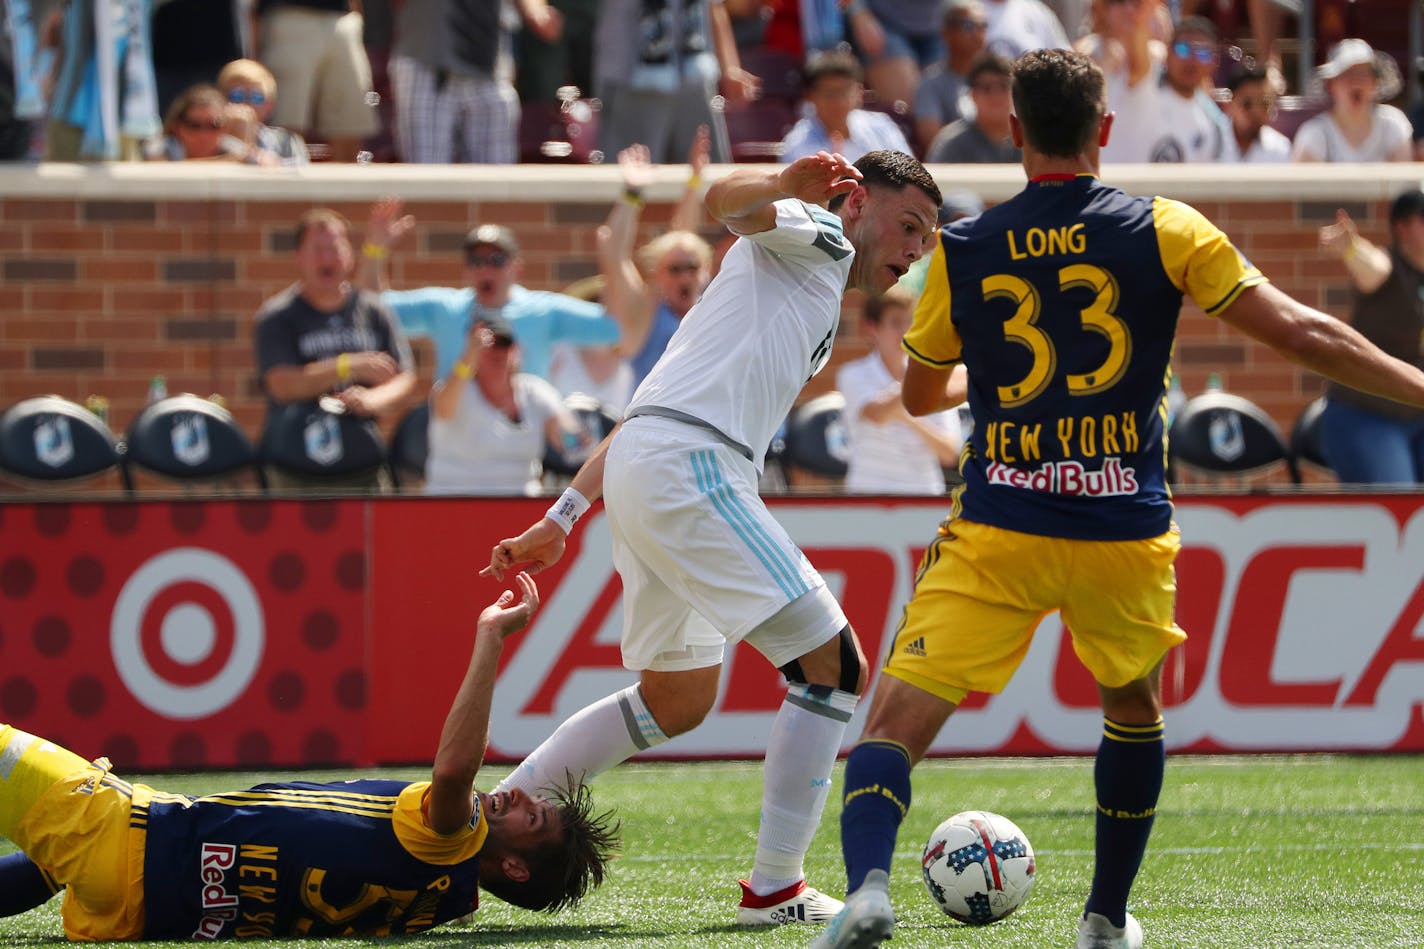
187,633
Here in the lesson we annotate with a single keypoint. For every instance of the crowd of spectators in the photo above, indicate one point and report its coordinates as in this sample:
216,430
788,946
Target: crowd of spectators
252,81
460,76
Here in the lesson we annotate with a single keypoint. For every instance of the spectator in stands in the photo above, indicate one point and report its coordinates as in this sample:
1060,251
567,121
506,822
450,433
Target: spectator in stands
944,84
105,101
986,136
599,372
650,291
1251,108
21,83
911,38
199,127
1132,60
1017,26
566,59
321,335
452,72
837,123
890,450
193,40
1264,19
657,75
1366,439
1191,127
315,49
1358,126
1416,120
246,82
492,270
490,423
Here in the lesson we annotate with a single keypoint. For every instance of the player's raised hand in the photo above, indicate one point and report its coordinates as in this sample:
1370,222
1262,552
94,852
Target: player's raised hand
538,547
1338,237
505,616
818,178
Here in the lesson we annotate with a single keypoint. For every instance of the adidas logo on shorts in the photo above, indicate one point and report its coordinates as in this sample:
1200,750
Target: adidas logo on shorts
916,647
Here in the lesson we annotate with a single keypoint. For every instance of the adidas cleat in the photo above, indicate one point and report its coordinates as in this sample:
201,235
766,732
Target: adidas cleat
797,903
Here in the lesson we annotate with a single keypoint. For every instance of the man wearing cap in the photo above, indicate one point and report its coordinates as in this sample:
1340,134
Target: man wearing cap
1358,125
1367,439
492,269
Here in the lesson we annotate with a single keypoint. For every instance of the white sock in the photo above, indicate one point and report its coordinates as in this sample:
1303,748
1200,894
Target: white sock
589,742
800,754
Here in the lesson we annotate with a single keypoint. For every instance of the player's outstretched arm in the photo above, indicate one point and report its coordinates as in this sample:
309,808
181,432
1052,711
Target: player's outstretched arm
542,544
743,200
1323,344
466,733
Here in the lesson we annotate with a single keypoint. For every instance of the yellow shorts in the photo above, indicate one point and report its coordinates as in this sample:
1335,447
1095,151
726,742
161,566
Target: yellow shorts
72,818
981,592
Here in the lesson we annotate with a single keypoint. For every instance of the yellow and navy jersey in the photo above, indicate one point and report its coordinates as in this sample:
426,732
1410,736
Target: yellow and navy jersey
1063,304
304,859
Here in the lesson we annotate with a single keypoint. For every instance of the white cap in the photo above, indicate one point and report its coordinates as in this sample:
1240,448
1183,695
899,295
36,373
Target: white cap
1349,53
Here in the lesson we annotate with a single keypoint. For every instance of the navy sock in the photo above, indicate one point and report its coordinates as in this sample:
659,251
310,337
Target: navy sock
1128,778
877,796
23,886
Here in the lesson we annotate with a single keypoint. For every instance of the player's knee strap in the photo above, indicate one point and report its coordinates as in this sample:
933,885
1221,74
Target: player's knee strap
850,664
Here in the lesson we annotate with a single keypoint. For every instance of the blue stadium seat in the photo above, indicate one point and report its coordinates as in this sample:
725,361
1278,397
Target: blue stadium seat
187,438
314,439
816,436
410,445
1218,434
50,439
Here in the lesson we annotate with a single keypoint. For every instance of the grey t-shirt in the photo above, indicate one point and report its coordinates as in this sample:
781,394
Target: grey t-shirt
962,142
292,332
938,95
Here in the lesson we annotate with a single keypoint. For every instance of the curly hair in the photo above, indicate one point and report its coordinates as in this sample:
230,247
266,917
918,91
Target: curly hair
894,170
563,872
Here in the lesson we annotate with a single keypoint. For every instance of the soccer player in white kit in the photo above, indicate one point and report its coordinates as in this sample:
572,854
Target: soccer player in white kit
703,562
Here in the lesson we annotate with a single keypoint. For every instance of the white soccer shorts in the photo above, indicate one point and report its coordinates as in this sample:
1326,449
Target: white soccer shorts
703,561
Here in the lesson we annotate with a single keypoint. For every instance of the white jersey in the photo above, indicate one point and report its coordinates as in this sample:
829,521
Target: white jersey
764,326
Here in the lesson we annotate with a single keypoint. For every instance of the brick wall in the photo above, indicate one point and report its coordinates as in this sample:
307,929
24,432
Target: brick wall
109,276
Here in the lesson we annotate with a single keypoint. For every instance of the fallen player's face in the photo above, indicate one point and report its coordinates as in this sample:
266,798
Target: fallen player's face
521,822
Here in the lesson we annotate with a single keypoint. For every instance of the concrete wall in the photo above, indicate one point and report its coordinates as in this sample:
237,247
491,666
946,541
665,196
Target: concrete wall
111,274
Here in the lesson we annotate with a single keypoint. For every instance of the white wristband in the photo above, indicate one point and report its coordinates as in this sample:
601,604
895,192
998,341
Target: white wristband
567,509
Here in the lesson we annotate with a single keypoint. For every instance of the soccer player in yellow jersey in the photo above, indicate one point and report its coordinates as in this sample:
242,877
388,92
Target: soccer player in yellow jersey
365,857
1062,302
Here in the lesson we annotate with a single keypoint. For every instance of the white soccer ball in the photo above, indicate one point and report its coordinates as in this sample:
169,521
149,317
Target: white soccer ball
978,867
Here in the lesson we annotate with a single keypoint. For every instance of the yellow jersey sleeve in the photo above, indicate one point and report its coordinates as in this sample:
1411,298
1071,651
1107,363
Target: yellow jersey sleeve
1199,259
419,839
932,338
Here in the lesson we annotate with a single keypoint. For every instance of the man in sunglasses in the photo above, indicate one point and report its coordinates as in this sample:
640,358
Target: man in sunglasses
1191,128
1251,109
492,291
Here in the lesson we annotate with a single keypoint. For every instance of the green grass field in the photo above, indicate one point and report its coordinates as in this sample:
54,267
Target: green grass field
1257,852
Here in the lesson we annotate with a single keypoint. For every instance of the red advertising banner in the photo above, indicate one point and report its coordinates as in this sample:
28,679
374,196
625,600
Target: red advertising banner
284,633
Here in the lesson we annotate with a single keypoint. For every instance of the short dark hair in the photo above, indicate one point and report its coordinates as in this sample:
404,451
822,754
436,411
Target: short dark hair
876,304
1198,25
1406,206
563,872
988,62
321,217
1243,76
833,62
1059,100
885,168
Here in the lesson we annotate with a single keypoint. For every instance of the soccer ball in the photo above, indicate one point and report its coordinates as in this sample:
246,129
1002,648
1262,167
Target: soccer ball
978,867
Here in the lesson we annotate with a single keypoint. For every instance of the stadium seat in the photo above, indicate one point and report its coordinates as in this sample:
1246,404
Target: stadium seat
1218,434
410,445
1292,111
816,436
559,132
187,438
596,421
50,439
757,128
313,439
1305,438
779,71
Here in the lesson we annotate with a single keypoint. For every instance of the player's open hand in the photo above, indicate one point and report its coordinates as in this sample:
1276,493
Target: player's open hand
818,178
538,547
505,616
1338,237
